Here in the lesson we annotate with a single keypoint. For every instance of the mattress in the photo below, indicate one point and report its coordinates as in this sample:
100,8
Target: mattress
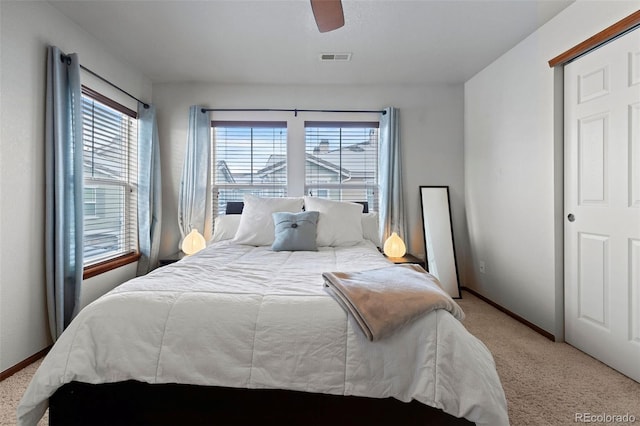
248,317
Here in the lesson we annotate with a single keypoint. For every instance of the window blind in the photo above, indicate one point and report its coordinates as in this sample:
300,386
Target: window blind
248,158
342,161
109,132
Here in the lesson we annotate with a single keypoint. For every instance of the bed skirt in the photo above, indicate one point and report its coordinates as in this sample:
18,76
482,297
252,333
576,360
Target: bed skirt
136,403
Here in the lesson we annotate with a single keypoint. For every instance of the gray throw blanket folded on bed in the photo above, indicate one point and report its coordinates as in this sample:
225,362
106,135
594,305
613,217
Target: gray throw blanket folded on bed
382,300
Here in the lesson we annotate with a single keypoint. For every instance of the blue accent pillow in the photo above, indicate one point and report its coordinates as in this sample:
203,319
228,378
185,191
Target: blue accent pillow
295,231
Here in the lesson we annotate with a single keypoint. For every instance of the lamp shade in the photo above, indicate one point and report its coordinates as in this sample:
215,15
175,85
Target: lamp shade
394,246
193,243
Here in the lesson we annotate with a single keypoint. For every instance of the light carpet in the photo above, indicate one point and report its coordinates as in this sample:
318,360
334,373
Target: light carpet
546,383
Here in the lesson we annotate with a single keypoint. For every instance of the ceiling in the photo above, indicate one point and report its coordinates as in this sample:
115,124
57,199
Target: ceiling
277,41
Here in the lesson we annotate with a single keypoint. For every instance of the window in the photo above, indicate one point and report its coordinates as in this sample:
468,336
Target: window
248,158
109,132
342,161
89,202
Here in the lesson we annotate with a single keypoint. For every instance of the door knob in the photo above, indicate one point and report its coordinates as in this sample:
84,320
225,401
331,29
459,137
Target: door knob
571,217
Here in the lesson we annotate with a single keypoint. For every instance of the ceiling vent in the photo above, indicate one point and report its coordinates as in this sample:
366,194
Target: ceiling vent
334,57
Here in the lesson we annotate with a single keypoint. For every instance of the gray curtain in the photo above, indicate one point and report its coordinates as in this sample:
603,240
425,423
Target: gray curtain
390,175
192,202
63,189
149,189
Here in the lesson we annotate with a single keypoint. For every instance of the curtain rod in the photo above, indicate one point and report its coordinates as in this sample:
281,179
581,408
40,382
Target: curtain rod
67,59
295,111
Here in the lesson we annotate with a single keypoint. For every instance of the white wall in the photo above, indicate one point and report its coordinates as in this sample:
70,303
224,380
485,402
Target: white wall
26,29
431,121
513,166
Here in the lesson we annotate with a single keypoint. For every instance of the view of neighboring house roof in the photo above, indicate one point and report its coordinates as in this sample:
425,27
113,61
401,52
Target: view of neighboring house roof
281,165
105,159
354,161
223,168
357,160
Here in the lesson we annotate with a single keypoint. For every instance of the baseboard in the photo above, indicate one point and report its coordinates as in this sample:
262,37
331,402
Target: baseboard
19,366
512,315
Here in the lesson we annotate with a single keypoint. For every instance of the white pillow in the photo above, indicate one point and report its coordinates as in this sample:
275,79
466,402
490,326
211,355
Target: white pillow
256,222
225,227
339,224
370,229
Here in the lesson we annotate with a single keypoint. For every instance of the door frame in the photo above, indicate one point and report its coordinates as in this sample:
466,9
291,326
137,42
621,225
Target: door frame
618,29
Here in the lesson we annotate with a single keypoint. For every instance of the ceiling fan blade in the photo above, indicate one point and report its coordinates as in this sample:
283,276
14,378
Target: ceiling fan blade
328,14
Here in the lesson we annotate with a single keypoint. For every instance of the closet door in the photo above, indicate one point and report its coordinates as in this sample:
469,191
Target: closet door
602,204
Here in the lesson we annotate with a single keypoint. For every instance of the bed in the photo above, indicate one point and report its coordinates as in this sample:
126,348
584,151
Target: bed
246,329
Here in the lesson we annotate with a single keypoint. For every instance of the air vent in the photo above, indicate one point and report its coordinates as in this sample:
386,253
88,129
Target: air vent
333,57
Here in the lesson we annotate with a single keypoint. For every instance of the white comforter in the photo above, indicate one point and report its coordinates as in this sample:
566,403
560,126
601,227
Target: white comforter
242,316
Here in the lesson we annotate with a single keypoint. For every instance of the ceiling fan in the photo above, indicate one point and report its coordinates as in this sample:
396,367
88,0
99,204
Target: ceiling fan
328,14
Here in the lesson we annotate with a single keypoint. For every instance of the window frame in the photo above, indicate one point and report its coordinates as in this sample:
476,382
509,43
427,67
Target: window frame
102,266
296,151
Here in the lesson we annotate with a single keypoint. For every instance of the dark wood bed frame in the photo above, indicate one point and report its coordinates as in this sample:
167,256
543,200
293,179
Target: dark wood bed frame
136,403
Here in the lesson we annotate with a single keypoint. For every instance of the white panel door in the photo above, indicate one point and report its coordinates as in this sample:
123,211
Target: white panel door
602,204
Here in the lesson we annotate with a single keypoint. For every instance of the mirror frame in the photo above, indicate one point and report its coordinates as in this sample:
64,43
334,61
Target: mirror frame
451,284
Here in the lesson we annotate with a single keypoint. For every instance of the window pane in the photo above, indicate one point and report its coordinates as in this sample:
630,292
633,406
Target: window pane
104,231
248,159
110,160
342,162
89,202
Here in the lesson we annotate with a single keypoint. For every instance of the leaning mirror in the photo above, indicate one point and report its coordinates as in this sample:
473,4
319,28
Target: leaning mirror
438,237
